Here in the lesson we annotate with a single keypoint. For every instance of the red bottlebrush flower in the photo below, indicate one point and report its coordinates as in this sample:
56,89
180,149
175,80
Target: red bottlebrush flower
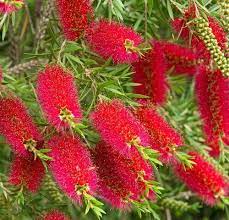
213,100
58,96
71,166
163,137
55,215
10,6
219,32
182,58
114,40
74,17
203,179
17,126
179,25
121,179
117,126
27,172
150,71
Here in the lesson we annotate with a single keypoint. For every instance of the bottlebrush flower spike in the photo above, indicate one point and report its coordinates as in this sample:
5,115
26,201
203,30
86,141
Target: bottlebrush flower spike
122,179
163,137
74,17
219,32
27,172
150,71
10,6
213,101
114,40
17,127
203,179
71,166
183,59
55,215
118,127
58,97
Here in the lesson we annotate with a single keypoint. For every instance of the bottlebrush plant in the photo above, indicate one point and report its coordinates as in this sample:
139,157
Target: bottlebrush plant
114,109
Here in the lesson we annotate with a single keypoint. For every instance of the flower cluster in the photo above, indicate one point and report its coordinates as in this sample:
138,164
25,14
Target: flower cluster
183,59
118,127
27,172
150,72
122,179
71,166
58,97
163,137
114,40
213,101
74,17
203,179
17,126
209,44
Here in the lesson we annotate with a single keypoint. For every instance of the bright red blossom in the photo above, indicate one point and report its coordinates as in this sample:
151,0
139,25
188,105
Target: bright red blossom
27,172
55,215
181,58
219,32
163,137
56,93
117,126
150,72
74,17
17,126
213,101
71,165
121,179
203,179
11,6
109,40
